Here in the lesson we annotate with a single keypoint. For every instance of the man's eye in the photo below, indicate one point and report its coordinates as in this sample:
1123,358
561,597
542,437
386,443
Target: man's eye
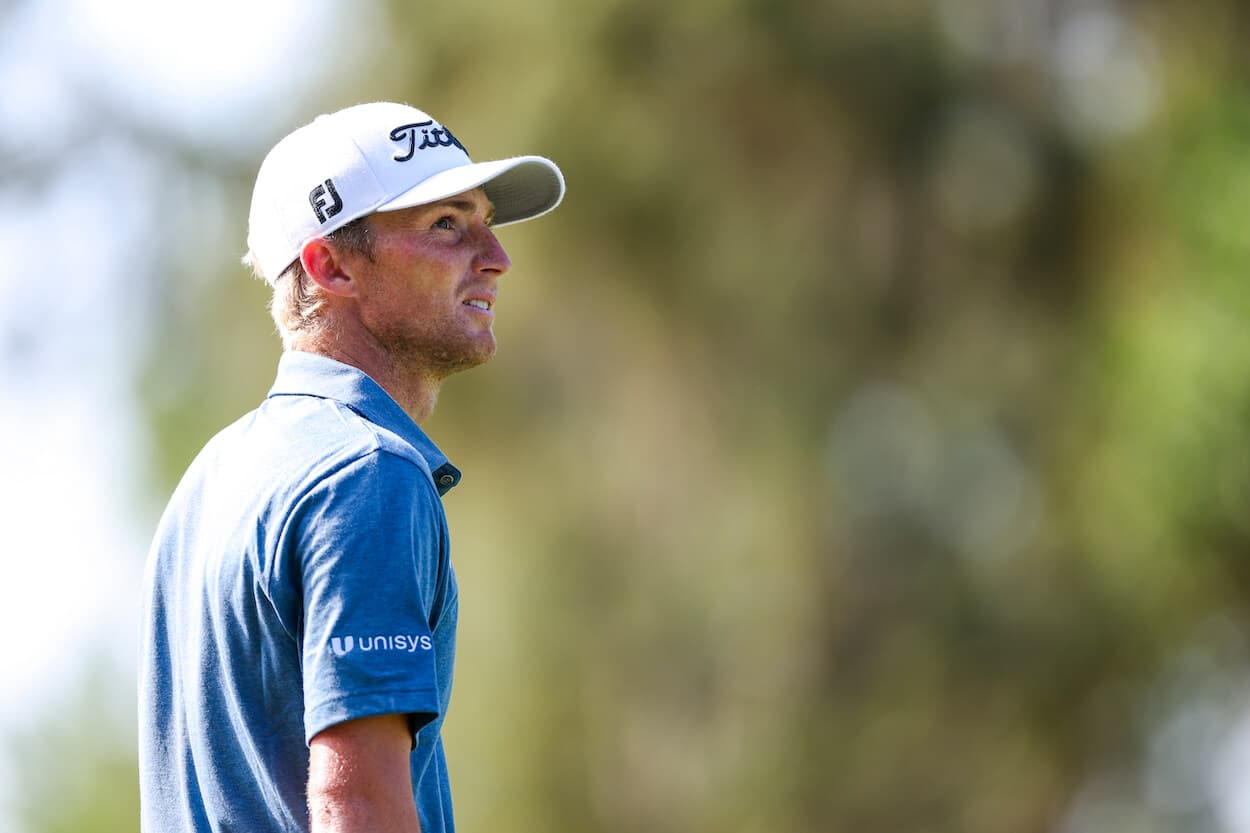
445,223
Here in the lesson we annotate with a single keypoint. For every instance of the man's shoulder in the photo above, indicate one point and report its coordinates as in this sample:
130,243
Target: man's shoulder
316,432
289,444
259,470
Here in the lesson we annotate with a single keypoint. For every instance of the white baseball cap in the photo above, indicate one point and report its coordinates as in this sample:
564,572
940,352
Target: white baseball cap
378,157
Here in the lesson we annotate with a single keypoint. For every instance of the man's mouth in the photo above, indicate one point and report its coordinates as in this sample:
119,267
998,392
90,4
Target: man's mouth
479,303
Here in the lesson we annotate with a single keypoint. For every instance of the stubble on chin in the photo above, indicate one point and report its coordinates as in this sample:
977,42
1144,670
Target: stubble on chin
437,357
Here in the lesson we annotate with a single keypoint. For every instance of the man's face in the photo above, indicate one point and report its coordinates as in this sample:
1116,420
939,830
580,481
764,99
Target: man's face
428,295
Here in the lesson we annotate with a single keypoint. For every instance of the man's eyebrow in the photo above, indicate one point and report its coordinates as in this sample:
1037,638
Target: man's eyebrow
468,207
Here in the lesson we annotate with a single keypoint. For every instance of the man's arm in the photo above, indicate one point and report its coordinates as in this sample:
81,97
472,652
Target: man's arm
359,778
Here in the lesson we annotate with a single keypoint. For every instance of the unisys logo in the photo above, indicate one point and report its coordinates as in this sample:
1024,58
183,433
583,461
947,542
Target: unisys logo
401,642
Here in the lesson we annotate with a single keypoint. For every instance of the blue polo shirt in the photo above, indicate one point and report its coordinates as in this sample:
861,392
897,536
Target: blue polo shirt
300,577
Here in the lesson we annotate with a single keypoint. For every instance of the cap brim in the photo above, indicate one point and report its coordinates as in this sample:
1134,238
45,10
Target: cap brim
521,188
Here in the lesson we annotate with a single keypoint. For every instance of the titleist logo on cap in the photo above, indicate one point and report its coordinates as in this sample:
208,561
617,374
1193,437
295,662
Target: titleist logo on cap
431,137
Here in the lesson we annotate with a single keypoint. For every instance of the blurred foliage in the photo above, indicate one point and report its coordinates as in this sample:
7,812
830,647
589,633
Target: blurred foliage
867,445
77,772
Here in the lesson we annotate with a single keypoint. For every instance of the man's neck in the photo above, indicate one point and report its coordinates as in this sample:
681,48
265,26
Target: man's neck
415,390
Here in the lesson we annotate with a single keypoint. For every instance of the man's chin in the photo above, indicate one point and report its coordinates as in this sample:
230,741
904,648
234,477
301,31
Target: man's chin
485,349
475,356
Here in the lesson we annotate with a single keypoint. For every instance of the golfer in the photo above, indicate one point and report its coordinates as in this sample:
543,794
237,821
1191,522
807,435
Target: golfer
299,624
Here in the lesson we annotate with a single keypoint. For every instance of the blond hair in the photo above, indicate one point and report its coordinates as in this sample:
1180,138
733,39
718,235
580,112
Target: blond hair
297,303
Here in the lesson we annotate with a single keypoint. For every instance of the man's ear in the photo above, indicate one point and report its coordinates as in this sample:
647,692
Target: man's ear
324,265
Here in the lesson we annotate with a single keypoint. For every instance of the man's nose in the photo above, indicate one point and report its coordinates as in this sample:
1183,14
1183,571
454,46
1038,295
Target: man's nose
491,256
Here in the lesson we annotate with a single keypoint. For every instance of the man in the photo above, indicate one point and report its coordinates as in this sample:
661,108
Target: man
300,606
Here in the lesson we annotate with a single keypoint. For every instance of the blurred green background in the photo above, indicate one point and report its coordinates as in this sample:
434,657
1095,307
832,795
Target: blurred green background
867,447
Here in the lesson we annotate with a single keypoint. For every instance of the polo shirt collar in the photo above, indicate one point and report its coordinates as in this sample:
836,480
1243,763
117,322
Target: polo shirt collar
310,374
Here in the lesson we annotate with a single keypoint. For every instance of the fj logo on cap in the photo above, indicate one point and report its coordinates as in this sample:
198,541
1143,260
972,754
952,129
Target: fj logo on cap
431,137
321,207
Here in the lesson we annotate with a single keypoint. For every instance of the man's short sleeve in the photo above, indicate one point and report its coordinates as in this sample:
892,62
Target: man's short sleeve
369,541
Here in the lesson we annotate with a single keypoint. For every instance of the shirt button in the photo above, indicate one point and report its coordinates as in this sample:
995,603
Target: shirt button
447,480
